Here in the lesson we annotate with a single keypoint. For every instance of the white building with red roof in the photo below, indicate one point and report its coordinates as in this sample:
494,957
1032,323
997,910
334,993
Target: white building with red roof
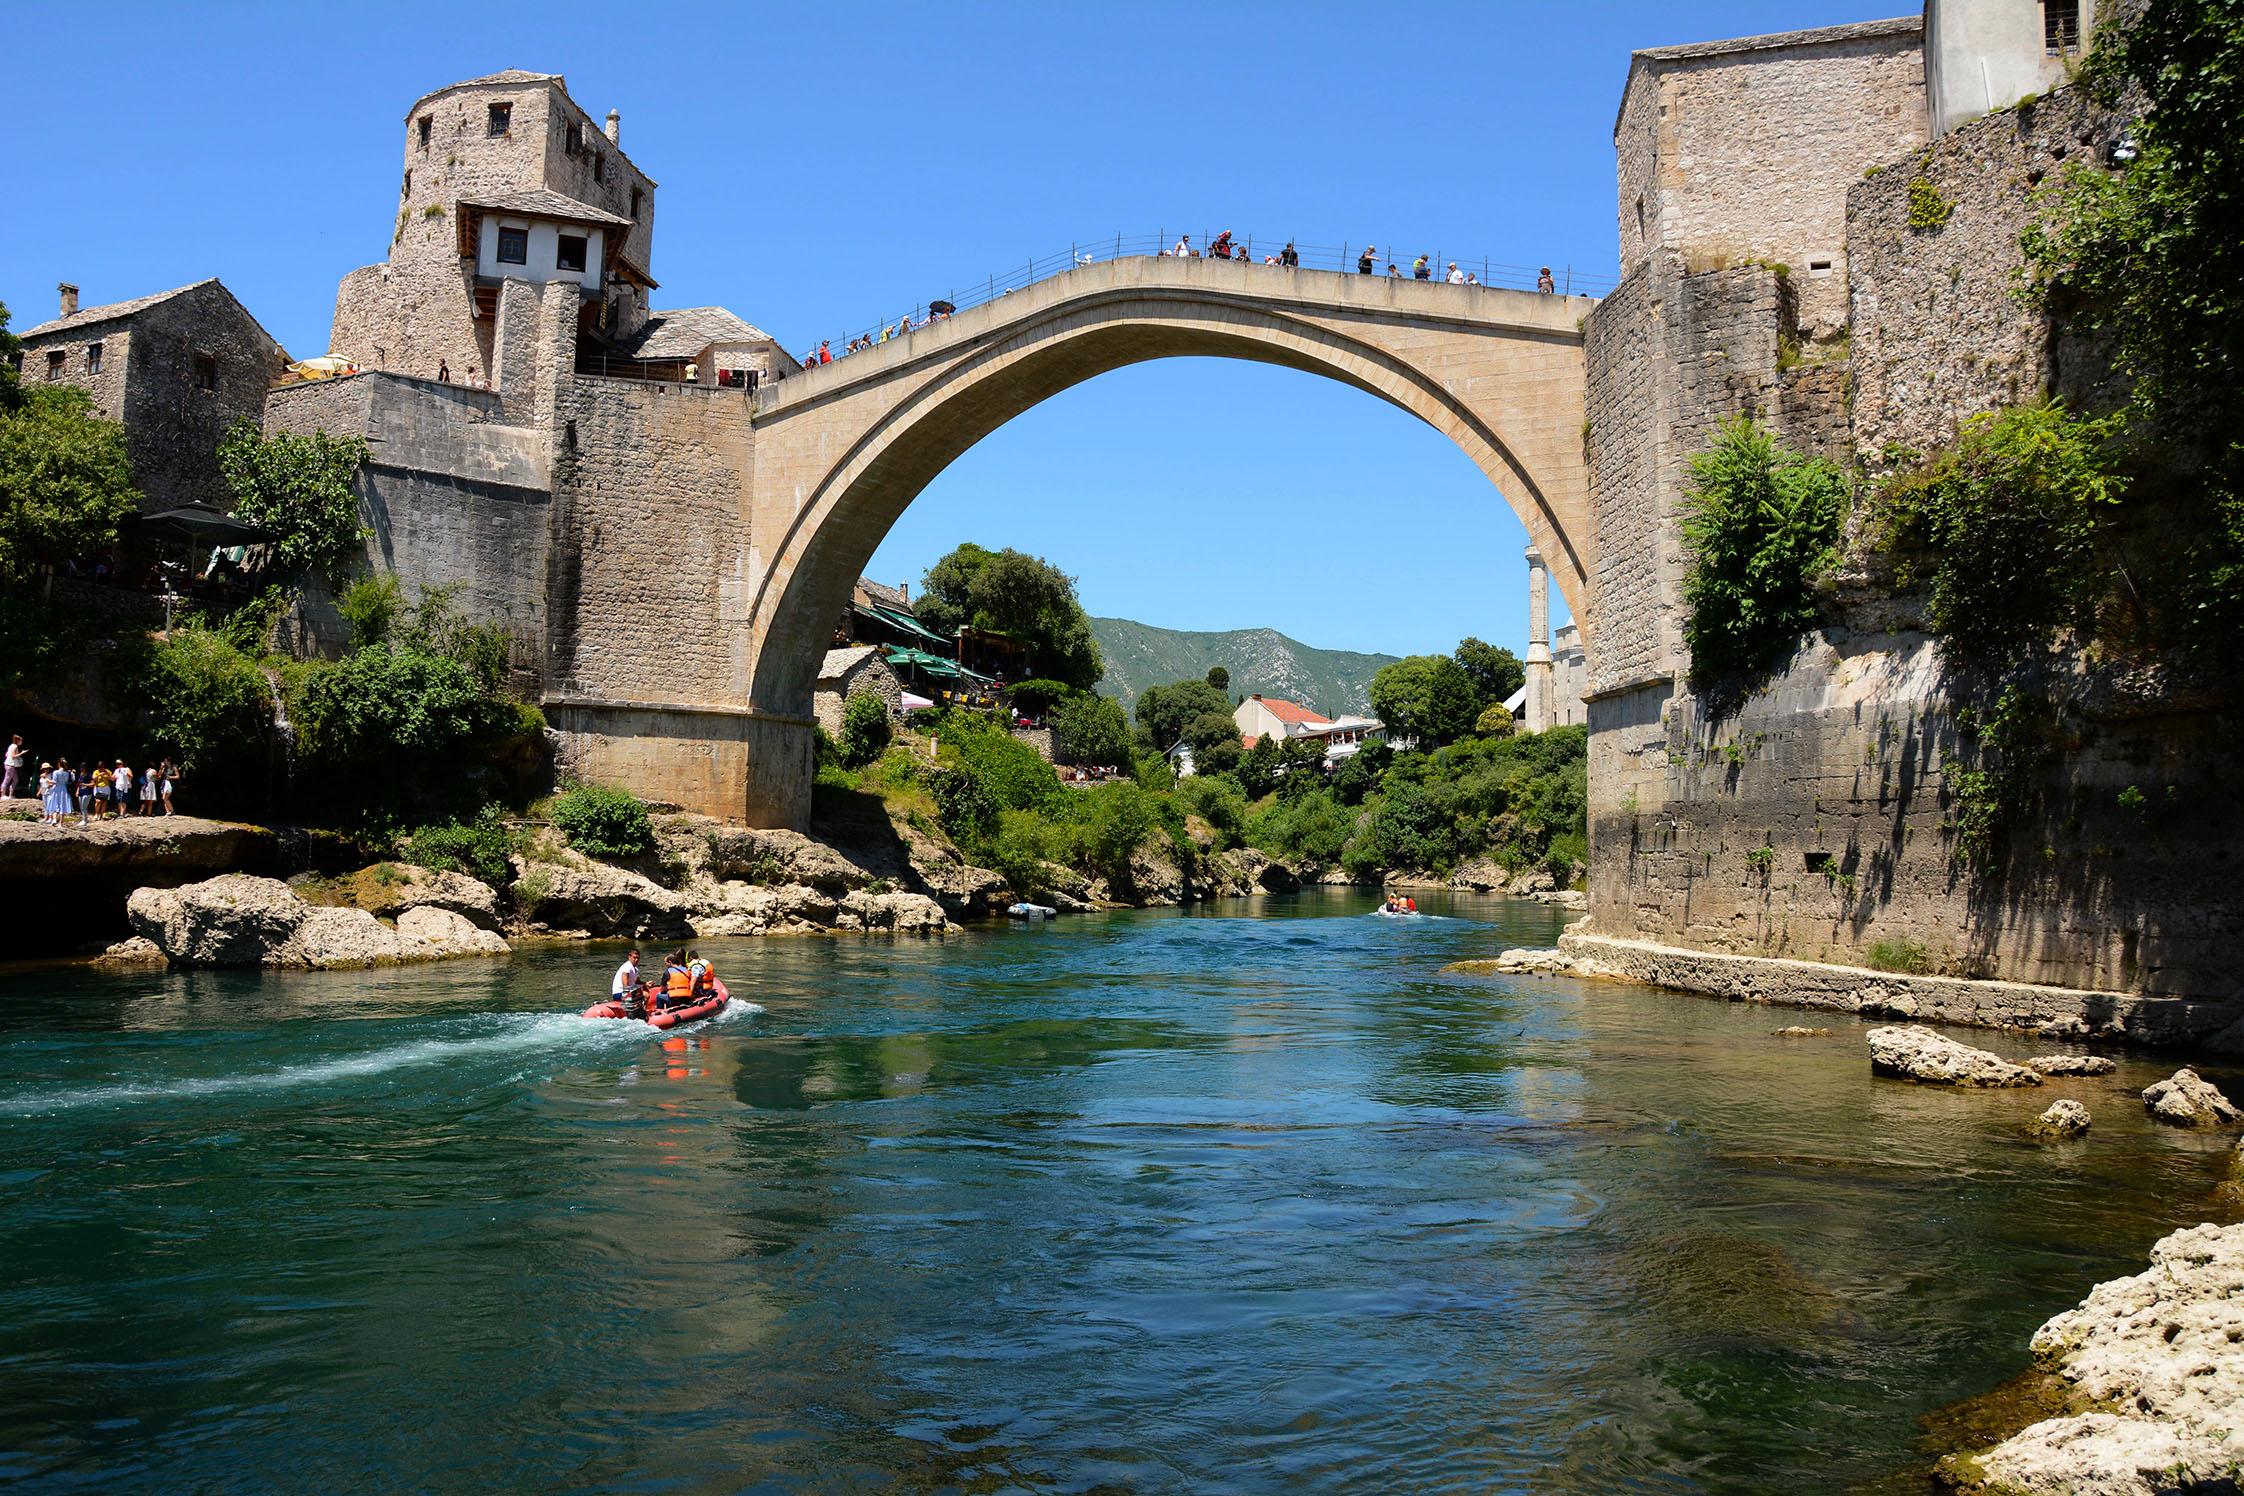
1271,716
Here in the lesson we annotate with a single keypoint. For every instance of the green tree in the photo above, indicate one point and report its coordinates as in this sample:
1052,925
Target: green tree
302,488
1496,672
1223,757
1301,766
865,729
209,707
1428,698
65,479
1495,722
11,350
1092,731
1218,800
1021,596
601,822
1359,773
1219,678
1167,713
1759,522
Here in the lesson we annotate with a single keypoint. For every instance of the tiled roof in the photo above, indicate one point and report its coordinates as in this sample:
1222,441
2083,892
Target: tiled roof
91,314
544,202
1289,711
1815,36
685,332
839,662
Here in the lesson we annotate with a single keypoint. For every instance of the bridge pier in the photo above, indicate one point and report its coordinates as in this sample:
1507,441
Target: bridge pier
730,762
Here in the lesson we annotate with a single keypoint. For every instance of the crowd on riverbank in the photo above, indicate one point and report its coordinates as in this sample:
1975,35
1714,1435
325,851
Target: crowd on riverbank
92,790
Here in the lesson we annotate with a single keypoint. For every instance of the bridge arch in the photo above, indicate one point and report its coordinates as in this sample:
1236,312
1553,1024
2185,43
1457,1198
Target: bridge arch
842,451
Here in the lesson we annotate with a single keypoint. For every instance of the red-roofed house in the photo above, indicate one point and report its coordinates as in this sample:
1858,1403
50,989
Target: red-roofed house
1271,716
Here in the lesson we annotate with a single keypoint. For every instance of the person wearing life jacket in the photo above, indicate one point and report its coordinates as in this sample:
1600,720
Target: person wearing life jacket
703,974
677,982
1410,905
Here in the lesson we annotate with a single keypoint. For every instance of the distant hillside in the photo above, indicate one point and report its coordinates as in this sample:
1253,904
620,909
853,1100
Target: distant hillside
1260,660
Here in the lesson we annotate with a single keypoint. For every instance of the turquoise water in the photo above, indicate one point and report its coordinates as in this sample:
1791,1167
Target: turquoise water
1252,1198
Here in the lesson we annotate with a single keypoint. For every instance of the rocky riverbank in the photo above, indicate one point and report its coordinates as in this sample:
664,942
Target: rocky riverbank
2141,1385
183,892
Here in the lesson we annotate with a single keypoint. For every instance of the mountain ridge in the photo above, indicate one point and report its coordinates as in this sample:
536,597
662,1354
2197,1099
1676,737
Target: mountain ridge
1261,661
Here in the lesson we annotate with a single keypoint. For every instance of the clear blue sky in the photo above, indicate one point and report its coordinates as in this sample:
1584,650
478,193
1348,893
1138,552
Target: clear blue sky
821,166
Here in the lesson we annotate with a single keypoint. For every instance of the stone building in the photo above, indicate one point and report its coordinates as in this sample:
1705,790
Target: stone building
1815,817
177,368
844,673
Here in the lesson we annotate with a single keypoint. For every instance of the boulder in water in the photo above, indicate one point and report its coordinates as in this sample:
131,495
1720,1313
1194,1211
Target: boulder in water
1914,1052
2064,1119
240,920
2186,1099
598,899
1801,1031
2071,1064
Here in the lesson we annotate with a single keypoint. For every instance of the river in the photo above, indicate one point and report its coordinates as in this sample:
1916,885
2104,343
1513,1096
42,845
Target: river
1247,1198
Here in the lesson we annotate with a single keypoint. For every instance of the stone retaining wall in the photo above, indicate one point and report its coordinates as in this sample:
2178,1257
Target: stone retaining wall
2057,1012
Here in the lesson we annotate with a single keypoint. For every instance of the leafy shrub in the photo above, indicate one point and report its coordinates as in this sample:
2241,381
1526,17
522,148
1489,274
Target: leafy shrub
1759,523
2004,524
1218,800
865,729
209,706
2015,742
1495,722
369,606
603,822
1115,819
479,848
964,806
1014,775
1034,698
1311,829
379,709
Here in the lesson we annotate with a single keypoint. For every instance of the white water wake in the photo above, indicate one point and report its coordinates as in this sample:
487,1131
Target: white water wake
518,1034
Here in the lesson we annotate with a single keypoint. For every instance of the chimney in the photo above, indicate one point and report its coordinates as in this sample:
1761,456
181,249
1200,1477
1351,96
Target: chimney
615,127
69,299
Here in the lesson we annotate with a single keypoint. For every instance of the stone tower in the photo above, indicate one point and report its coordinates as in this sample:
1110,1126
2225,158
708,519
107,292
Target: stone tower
504,177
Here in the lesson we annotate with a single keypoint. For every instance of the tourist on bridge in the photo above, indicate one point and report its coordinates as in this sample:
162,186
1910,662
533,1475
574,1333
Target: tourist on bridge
825,350
1456,276
1422,268
1364,260
1221,248
1544,283
1184,249
1287,257
1392,272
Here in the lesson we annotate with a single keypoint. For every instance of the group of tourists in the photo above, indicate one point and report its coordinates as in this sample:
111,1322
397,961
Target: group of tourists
687,978
1400,904
825,352
93,791
1224,247
1422,268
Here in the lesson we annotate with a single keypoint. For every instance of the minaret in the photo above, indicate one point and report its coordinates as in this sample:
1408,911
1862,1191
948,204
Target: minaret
1538,643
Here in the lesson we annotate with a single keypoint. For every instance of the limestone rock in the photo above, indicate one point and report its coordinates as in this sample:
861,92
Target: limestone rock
2161,1349
408,887
235,919
897,913
2071,1064
137,950
239,920
1801,1031
2184,1099
2102,1454
1068,903
2064,1119
803,905
1563,898
1529,961
964,891
1914,1052
596,898
1480,875
775,857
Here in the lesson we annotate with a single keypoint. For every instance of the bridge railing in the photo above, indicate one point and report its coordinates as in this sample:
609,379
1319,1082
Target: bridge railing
1249,252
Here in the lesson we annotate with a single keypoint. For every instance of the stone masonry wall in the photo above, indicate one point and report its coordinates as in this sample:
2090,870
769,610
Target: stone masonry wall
1813,823
1756,146
1625,436
452,495
653,529
1938,334
173,425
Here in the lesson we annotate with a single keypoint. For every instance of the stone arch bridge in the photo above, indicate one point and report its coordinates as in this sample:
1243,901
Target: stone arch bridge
798,500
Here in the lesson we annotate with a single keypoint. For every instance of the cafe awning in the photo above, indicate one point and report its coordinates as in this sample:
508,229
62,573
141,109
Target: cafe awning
901,658
908,624
205,525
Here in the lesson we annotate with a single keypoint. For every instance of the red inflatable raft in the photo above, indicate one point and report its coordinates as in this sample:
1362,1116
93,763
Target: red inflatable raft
671,1017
